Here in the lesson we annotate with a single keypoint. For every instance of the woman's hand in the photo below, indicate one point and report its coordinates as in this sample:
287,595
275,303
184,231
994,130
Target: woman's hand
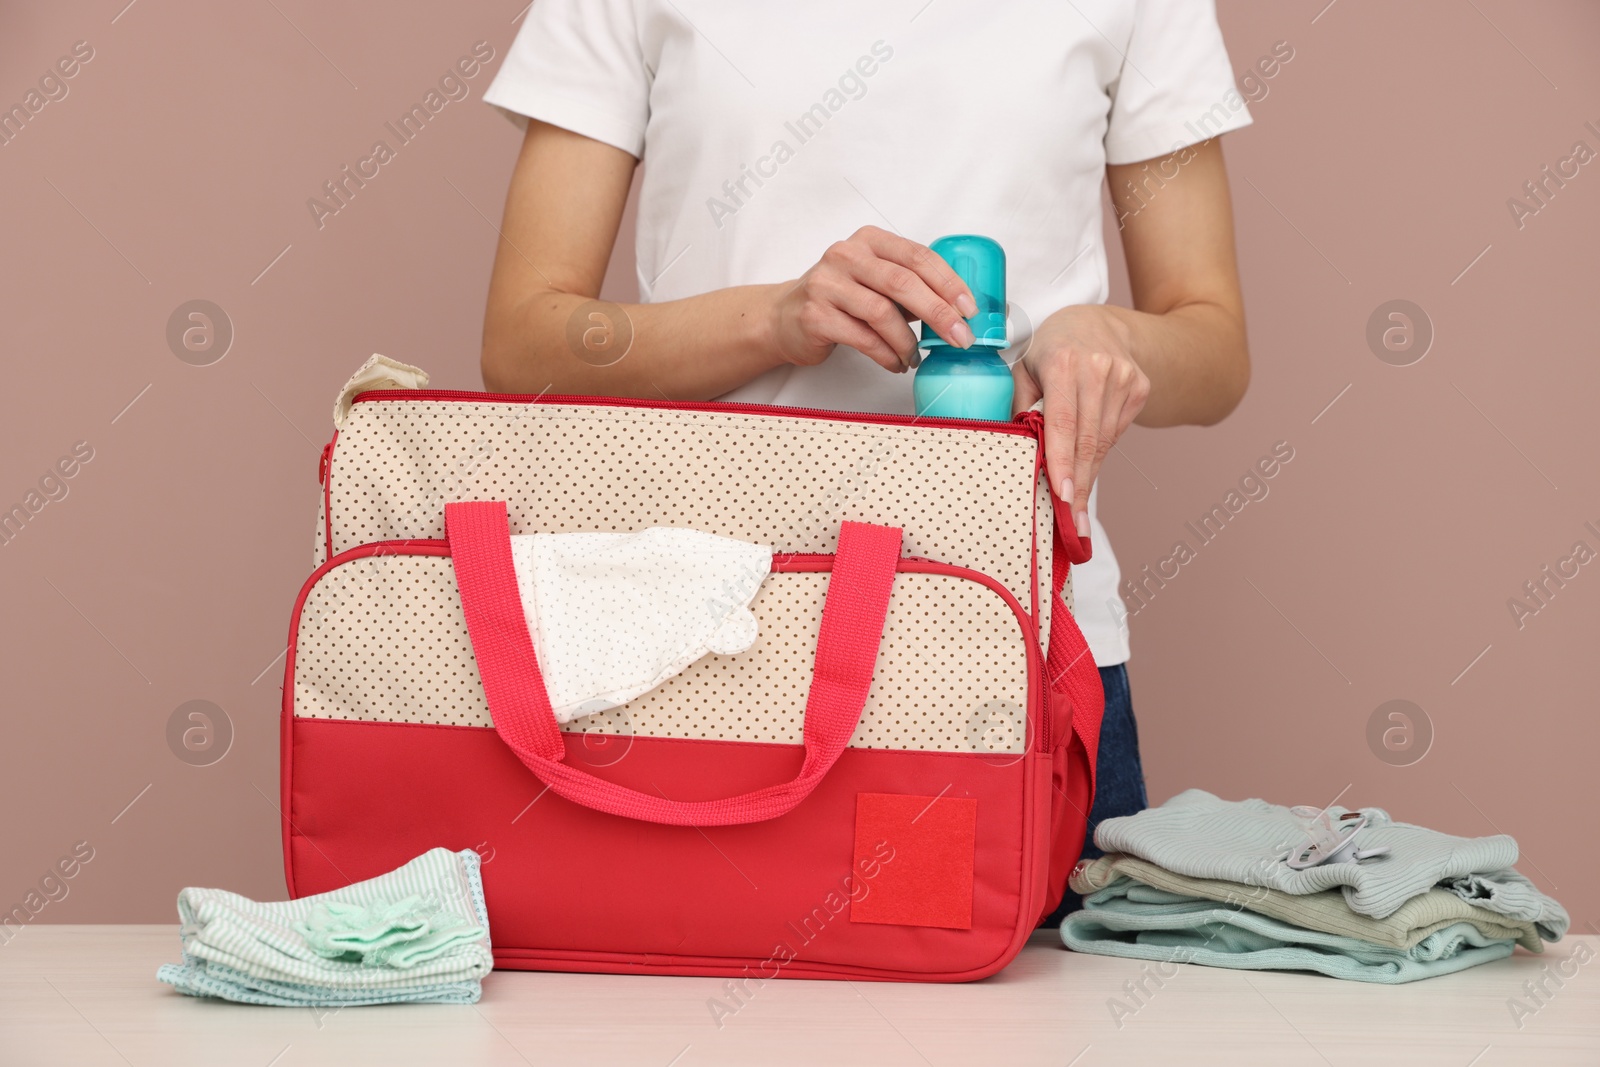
862,293
1080,362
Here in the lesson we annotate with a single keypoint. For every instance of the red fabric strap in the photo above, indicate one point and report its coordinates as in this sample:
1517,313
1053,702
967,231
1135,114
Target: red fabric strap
847,650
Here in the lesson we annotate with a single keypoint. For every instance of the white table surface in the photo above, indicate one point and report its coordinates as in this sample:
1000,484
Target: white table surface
87,995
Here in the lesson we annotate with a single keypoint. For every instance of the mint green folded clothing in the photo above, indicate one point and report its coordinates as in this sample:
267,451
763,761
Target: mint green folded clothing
1424,914
339,930
225,983
1203,836
397,938
400,933
1140,922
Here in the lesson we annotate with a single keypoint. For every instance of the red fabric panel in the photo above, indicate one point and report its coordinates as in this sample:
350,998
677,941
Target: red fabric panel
924,847
1070,801
1077,703
1076,697
575,889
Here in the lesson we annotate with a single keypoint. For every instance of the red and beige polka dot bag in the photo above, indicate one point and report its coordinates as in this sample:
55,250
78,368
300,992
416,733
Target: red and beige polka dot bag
891,783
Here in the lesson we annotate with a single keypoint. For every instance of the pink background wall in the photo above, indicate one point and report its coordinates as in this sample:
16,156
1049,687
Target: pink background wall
1378,568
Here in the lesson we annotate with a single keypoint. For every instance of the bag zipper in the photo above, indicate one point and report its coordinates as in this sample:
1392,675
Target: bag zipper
1021,425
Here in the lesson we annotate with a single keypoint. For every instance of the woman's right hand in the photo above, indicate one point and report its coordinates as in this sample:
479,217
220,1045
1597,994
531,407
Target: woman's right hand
862,293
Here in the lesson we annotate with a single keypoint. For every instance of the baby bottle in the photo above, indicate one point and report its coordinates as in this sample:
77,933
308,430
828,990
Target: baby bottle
969,383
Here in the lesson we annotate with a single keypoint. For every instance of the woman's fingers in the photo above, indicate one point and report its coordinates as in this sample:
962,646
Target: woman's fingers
1112,405
1090,401
1060,433
1092,387
1025,390
841,328
915,277
928,264
878,313
862,293
1087,444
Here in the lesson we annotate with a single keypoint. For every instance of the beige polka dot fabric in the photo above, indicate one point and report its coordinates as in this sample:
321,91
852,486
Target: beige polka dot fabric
383,639
1046,513
962,496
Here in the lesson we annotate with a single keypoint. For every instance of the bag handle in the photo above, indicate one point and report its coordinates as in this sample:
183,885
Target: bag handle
847,651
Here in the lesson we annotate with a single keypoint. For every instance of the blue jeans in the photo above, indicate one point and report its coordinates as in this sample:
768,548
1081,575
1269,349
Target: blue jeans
1119,776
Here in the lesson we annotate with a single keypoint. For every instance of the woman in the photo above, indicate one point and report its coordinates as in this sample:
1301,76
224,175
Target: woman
800,157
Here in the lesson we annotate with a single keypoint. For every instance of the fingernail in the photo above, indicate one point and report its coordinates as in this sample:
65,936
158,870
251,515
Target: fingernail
1082,523
961,334
1066,489
966,305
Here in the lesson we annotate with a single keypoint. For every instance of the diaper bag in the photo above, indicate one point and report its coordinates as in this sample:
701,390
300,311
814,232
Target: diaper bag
891,783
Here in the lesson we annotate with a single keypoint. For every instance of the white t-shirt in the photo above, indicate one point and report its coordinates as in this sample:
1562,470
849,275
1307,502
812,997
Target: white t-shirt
770,131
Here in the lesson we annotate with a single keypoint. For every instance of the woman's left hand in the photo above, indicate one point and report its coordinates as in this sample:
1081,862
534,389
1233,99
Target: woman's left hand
1080,362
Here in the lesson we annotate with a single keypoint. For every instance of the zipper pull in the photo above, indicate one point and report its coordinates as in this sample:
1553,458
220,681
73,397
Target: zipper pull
322,463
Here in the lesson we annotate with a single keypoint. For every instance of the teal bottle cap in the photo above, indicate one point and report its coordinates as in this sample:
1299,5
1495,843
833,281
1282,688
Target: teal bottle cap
981,263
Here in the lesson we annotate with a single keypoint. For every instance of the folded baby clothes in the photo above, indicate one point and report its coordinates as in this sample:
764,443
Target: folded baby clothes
613,615
1203,836
1424,914
1509,893
1128,919
385,933
417,934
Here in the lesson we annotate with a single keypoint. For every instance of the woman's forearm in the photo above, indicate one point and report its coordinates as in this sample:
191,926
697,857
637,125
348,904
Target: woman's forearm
1189,337
1196,359
691,349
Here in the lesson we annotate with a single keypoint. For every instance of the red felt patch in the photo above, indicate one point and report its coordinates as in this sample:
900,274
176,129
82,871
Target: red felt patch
914,856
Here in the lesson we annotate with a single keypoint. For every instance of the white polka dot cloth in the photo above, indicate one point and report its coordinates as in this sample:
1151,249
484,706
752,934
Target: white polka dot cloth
613,615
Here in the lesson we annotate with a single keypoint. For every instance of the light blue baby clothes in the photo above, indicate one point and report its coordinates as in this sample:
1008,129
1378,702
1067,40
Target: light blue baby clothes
1509,893
1137,921
417,934
1203,836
